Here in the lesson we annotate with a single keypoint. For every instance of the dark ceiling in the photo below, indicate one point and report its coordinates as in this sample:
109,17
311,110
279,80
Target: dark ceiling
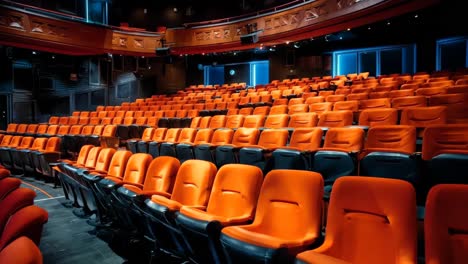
174,13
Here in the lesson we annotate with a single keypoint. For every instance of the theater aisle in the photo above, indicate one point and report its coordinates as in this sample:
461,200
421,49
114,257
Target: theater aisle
66,238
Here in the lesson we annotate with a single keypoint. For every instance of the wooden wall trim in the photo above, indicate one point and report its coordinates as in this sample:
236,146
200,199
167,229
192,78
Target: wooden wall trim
36,31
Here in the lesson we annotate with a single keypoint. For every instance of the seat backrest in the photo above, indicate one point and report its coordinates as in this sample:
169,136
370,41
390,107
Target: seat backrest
98,129
246,111
298,108
346,105
336,118
234,121
408,101
148,133
187,135
14,201
445,224
172,134
6,140
32,128
314,100
159,134
295,193
28,221
161,174
63,120
21,129
354,219
129,120
401,93
83,120
103,160
136,168
424,116
348,139
303,120
140,121
52,129
448,99
245,136
235,191
222,136
306,138
217,121
26,142
94,121
193,182
102,114
253,121
203,136
320,107
273,138
75,130
87,130
109,131
53,120
92,157
195,122
375,103
83,155
42,129
278,109
276,121
439,139
53,144
63,129
21,250
261,110
378,116
73,120
15,141
118,163
39,144
204,122
392,138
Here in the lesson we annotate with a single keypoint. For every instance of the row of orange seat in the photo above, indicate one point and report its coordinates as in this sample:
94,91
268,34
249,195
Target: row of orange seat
387,150
28,155
235,215
21,222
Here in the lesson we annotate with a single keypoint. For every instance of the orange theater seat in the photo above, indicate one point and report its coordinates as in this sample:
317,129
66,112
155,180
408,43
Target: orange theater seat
260,153
368,231
192,187
421,117
389,152
159,179
232,202
297,154
228,153
338,157
445,222
205,151
378,117
21,251
445,150
273,237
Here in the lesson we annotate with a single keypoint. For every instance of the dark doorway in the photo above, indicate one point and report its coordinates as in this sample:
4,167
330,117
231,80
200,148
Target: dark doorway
3,112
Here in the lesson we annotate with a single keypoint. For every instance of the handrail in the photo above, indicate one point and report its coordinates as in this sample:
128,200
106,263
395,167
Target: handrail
249,15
